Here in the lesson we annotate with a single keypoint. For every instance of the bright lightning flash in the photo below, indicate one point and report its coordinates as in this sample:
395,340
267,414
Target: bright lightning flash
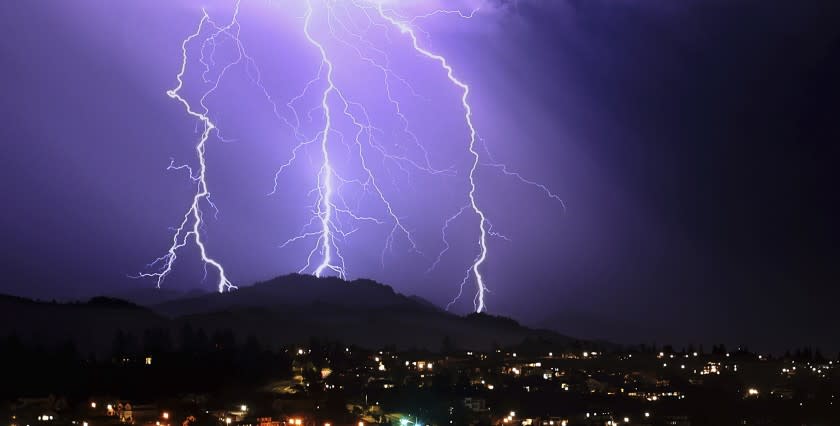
334,218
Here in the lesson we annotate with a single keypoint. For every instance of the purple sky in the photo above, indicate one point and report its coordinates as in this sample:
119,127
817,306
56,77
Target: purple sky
691,144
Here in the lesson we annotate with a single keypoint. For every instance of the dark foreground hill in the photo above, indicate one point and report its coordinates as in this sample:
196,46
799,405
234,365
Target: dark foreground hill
286,310
90,326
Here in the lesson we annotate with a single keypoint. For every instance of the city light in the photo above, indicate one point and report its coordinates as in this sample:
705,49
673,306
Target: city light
508,373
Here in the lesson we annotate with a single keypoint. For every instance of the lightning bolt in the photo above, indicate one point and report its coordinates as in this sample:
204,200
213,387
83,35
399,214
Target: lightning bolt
405,28
485,227
193,220
334,218
325,176
328,207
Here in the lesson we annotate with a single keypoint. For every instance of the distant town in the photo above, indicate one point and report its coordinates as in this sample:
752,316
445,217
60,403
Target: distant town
219,380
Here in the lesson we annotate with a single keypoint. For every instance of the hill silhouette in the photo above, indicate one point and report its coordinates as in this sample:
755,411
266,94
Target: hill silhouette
90,325
294,307
150,296
296,290
286,310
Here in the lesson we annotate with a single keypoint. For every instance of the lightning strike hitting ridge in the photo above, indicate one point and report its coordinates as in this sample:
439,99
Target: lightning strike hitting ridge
450,74
326,209
346,161
325,177
191,225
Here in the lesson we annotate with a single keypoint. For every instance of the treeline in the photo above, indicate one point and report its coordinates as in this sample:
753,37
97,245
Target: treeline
807,354
152,364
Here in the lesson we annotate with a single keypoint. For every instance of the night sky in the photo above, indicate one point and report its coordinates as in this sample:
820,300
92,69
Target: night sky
694,144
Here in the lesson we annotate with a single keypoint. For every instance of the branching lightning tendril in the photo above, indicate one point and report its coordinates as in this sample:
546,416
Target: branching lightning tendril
192,223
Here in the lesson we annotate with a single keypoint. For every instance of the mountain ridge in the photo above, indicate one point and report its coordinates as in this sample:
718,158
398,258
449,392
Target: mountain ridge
294,290
285,310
